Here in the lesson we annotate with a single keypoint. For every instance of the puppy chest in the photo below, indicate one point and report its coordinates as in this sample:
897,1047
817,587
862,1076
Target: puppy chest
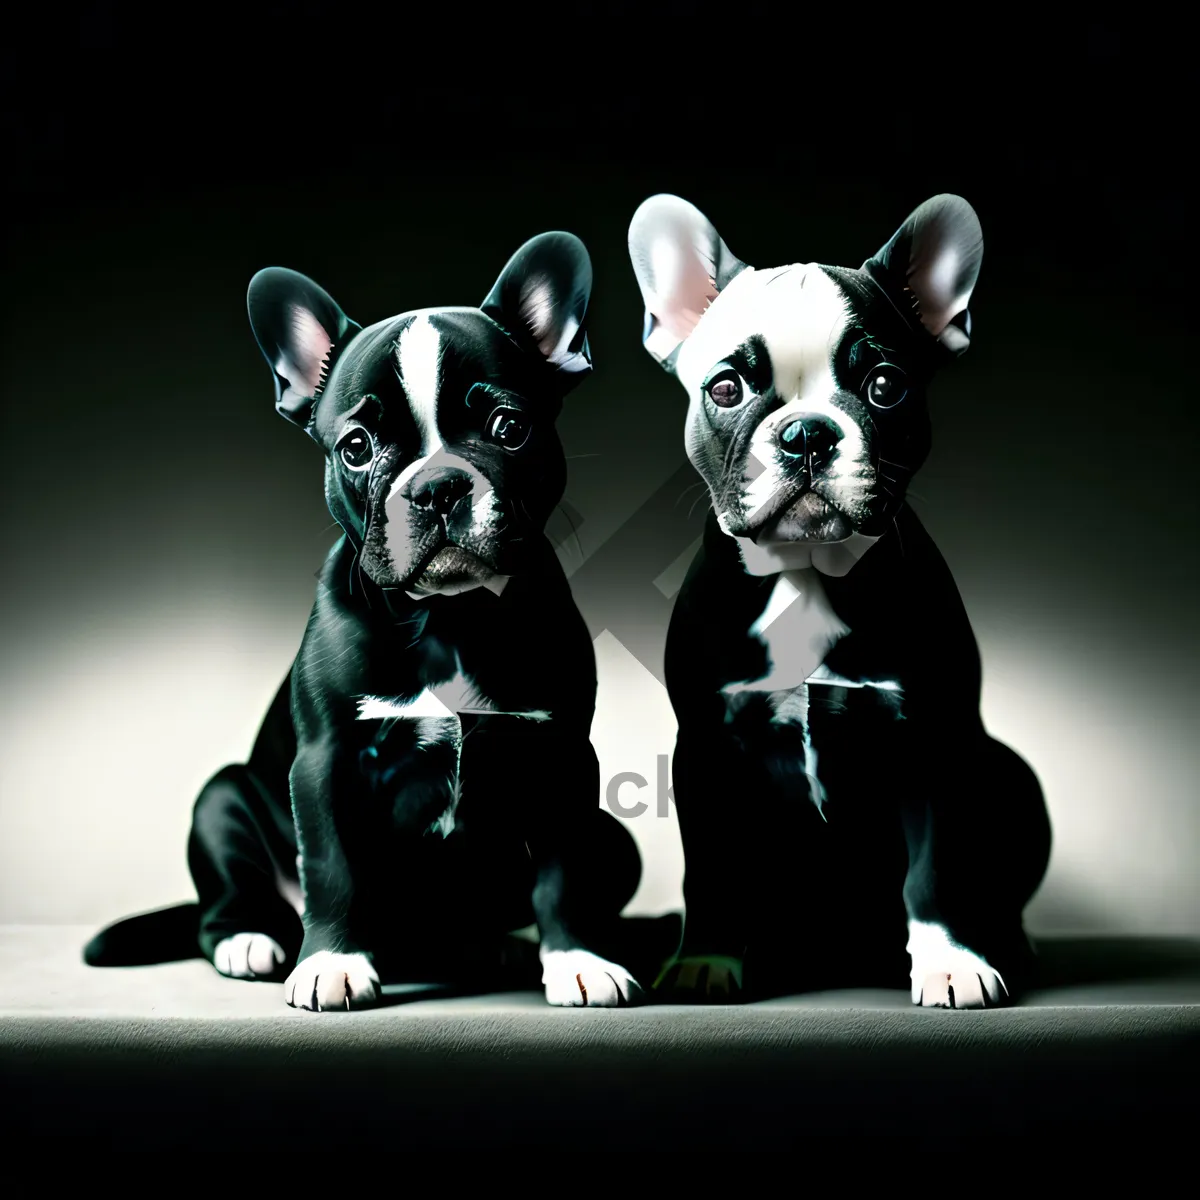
445,696
797,628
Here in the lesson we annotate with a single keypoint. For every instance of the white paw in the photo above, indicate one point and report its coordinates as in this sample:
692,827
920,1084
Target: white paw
579,979
248,956
946,974
329,982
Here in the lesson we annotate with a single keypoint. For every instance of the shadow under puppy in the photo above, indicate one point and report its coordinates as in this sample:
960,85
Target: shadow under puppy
424,781
839,797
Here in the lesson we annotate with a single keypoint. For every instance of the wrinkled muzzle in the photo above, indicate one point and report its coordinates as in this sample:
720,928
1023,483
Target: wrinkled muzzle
437,530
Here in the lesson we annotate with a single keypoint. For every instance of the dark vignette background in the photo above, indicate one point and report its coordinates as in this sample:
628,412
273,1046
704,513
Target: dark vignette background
162,525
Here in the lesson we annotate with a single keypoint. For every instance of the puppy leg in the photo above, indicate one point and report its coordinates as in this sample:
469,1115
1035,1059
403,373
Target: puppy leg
242,857
722,802
578,896
979,843
585,866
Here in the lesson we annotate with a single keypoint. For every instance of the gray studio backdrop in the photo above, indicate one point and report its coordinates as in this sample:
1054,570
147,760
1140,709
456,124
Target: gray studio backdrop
163,527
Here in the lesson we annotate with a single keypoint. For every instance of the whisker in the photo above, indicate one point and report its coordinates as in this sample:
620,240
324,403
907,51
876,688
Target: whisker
729,452
574,531
361,578
691,487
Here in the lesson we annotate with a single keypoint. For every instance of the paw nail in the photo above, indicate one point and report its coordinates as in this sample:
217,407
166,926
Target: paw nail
582,989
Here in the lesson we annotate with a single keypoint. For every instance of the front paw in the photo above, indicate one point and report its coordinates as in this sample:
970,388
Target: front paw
945,974
248,956
701,979
331,982
580,979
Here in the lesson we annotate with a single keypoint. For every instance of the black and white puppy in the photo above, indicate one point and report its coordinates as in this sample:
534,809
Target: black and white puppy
425,778
831,761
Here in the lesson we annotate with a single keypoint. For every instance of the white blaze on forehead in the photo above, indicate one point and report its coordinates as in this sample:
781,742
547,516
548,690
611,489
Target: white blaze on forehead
798,311
419,359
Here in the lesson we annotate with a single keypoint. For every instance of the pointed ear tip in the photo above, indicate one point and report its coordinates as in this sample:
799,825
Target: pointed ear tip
661,203
950,201
557,243
655,201
945,200
271,282
261,279
561,238
276,273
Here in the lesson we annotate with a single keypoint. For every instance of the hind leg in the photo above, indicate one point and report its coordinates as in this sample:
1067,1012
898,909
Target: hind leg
979,843
242,857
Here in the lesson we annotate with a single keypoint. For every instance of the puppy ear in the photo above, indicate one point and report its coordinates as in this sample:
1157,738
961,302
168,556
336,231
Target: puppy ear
300,331
541,300
931,265
681,265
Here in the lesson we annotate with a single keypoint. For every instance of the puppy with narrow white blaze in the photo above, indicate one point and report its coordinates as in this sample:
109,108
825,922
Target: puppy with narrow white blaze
369,833
838,670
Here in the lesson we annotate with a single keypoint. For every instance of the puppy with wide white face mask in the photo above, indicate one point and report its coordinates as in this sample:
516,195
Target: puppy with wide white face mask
839,797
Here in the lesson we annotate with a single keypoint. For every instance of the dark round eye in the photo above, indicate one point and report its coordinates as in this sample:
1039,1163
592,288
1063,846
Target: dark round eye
357,450
508,427
725,390
886,386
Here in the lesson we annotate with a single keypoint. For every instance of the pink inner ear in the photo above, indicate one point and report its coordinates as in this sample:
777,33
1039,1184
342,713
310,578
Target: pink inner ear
300,362
683,288
537,307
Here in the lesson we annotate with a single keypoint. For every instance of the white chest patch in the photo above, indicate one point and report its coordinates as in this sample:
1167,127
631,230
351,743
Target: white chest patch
797,628
435,714
456,696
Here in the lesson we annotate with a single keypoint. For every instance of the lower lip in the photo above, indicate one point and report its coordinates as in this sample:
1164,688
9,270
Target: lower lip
450,563
811,518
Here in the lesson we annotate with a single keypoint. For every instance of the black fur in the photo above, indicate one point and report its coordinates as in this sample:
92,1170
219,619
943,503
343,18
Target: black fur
406,853
919,813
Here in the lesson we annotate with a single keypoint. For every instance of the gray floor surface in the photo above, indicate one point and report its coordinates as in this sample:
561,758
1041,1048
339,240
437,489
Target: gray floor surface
168,1056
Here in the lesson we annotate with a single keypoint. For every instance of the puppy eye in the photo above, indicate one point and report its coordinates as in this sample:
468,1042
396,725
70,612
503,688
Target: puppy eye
886,386
508,427
357,450
725,390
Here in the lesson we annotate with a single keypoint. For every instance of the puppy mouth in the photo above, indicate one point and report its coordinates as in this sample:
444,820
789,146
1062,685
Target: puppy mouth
809,518
449,569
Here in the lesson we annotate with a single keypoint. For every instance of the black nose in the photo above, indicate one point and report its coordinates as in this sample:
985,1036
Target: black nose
811,437
440,489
